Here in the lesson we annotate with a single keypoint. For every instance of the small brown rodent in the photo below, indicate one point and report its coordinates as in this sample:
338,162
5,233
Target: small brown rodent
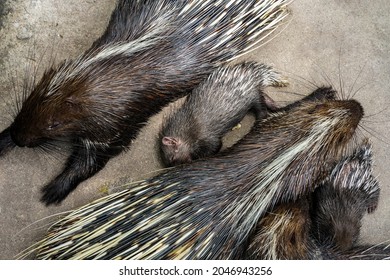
209,209
195,130
151,53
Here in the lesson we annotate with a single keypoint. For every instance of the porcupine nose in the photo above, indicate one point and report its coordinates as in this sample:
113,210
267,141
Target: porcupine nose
356,111
21,139
16,138
356,108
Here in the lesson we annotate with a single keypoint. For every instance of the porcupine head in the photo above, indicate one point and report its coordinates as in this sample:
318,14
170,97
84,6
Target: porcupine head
44,116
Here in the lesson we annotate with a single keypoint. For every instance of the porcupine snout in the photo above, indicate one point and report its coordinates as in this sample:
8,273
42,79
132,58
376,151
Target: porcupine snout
19,141
356,111
22,138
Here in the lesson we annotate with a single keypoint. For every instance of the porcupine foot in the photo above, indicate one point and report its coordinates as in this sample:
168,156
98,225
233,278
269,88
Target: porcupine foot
270,78
85,161
6,142
340,203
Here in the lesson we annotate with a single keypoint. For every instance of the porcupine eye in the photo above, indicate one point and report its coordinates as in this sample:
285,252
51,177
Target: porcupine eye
53,125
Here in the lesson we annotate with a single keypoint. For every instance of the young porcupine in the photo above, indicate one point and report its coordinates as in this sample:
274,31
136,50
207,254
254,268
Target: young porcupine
195,130
325,224
152,52
208,209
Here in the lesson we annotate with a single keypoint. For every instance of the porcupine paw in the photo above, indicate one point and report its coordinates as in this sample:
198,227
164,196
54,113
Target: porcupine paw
280,82
360,180
54,193
275,79
371,191
367,184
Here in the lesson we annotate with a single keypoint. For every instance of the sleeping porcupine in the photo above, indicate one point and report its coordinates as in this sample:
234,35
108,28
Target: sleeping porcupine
152,52
325,224
195,130
209,209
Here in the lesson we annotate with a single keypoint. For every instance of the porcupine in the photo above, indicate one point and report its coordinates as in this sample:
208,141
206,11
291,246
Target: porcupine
325,224
208,209
196,128
151,53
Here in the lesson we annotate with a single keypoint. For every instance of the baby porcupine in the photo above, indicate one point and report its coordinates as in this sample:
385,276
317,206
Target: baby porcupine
340,202
195,130
325,224
209,209
152,52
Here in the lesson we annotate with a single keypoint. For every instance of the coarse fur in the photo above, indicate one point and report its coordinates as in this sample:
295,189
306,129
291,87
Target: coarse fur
325,224
195,130
151,53
209,209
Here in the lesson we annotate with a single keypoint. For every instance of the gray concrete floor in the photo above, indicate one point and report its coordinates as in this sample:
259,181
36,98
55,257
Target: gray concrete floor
324,41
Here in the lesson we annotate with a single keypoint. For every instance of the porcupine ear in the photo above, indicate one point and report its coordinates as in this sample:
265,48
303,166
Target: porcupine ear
170,141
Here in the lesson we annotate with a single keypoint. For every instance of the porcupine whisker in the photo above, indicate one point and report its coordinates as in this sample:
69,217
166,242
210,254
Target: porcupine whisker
377,114
341,82
289,92
22,87
15,93
30,71
307,83
10,112
351,92
56,151
373,133
348,94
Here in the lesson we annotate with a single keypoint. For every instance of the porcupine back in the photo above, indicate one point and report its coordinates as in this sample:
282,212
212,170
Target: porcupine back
325,224
209,208
151,53
195,129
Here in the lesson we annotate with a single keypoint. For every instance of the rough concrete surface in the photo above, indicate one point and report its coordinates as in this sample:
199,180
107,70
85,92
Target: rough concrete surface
324,42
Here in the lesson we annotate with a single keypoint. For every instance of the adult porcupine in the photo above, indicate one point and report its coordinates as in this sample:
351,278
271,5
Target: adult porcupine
326,224
195,130
151,53
208,209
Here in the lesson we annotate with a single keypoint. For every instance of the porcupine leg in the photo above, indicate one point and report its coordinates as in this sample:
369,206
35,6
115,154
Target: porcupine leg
85,161
6,142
